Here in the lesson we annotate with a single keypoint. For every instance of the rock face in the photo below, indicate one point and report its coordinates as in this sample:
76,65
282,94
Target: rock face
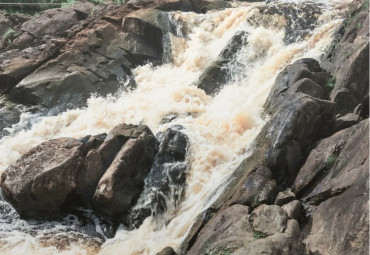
349,63
165,182
41,182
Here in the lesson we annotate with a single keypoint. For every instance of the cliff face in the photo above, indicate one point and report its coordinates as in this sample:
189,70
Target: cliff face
303,189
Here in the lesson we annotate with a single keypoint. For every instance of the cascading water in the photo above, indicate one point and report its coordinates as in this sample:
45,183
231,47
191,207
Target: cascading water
220,128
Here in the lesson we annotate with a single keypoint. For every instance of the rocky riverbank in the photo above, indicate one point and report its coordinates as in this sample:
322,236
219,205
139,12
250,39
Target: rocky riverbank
302,190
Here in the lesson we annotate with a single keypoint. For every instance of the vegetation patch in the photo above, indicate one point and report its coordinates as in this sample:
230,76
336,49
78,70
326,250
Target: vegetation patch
258,235
224,251
330,83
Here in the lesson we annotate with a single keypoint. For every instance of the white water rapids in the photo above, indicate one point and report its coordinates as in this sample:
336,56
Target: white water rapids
220,128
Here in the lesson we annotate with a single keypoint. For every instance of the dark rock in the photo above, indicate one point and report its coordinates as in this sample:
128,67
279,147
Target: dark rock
217,74
301,18
167,251
269,219
202,6
9,115
305,76
165,182
123,181
291,131
40,184
284,197
259,188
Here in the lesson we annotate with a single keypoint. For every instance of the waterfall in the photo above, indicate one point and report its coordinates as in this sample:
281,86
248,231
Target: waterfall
220,128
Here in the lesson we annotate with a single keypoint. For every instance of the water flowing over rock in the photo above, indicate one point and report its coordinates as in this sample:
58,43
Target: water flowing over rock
165,182
261,115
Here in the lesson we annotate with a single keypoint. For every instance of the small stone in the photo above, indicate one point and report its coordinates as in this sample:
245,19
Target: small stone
167,251
269,219
293,209
284,197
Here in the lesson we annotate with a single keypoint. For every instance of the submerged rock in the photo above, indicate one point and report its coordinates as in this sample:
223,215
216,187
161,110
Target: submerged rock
165,182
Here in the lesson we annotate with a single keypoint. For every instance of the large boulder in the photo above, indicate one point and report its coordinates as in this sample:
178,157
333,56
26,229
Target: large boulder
166,180
123,181
40,184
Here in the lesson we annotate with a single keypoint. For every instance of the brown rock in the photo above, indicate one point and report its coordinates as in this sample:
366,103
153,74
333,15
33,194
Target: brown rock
123,181
40,183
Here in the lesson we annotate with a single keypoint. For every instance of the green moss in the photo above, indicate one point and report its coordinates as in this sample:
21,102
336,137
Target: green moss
224,251
330,83
258,235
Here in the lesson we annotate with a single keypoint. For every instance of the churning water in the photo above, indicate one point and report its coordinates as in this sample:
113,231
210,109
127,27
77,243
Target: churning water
220,128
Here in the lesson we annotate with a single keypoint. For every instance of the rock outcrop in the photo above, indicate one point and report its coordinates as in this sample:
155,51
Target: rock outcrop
106,172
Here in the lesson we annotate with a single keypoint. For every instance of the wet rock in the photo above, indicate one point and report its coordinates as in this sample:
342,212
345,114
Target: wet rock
167,251
214,77
9,115
340,225
165,182
40,184
217,74
259,188
305,76
202,6
123,181
293,209
292,130
298,19
269,219
284,197
227,230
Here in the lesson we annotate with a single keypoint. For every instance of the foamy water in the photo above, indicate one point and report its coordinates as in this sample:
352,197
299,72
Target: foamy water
220,128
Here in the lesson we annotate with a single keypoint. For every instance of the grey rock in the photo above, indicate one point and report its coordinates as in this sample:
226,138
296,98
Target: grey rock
269,219
293,209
